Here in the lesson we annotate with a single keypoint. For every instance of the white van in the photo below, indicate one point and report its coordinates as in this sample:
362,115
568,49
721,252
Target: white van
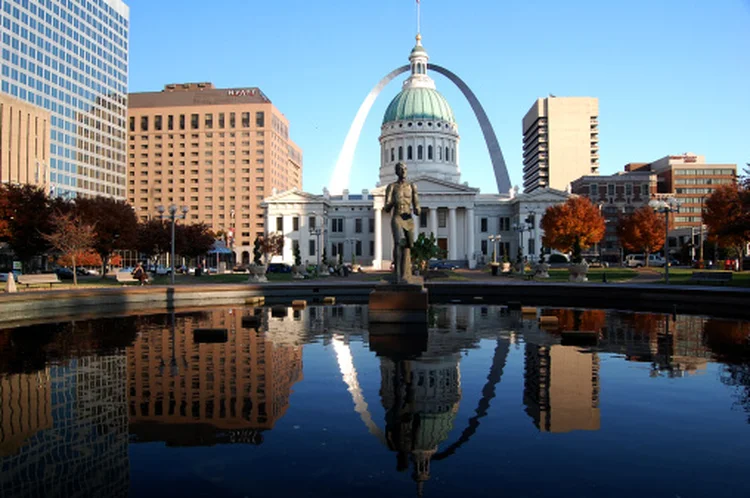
638,260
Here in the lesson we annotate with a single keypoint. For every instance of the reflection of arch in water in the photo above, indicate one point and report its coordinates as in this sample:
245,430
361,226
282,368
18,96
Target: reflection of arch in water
342,171
349,374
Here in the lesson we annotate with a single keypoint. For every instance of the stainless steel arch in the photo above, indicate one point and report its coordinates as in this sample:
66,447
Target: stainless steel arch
342,171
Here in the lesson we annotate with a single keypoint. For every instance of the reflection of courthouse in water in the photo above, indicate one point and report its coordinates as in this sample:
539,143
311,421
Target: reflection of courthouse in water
74,423
185,393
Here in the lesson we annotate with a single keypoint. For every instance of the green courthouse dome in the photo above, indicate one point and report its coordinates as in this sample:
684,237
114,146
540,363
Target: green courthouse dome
419,103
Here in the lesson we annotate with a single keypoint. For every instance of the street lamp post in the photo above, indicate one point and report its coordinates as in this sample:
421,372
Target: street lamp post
671,205
173,216
520,228
494,239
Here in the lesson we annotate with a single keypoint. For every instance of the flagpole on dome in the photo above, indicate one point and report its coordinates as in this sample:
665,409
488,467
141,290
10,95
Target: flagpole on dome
418,15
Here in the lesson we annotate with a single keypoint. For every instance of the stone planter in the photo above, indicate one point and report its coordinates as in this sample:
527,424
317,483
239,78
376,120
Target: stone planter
506,267
257,273
578,272
494,267
541,270
298,272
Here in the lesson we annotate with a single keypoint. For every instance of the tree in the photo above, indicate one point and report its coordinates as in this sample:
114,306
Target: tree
116,225
642,231
270,246
258,250
71,236
194,240
425,248
153,238
297,255
727,214
84,258
572,226
24,218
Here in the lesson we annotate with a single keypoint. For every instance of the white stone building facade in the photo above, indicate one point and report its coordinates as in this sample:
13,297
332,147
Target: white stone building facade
418,129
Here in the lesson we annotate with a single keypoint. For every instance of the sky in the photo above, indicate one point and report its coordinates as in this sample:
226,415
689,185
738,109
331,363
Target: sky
671,76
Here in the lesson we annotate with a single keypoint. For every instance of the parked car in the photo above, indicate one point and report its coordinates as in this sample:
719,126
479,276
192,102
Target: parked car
440,264
64,273
4,274
161,270
638,260
279,268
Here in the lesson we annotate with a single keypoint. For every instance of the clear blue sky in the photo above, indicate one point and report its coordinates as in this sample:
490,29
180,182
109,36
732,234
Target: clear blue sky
671,75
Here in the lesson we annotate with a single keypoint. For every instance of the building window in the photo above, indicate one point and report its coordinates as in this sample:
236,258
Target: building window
144,123
610,189
372,224
170,122
209,121
157,123
400,153
295,223
221,120
393,156
440,153
409,153
260,119
182,121
645,191
628,189
246,120
372,248
337,225
312,222
232,122
132,124
429,152
358,248
358,225
484,247
442,218
194,121
420,152
311,247
279,224
504,224
423,218
594,190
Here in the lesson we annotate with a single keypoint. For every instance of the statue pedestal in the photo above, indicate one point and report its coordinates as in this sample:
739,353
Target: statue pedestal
398,304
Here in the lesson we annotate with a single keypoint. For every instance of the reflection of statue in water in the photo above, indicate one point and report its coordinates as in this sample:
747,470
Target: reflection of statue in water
401,197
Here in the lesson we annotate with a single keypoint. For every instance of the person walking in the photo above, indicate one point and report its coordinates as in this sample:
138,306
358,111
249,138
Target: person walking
140,274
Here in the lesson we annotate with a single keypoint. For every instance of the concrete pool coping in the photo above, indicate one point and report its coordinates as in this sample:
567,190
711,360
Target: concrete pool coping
47,306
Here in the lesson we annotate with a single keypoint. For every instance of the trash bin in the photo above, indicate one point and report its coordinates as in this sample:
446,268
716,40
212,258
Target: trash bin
495,268
198,271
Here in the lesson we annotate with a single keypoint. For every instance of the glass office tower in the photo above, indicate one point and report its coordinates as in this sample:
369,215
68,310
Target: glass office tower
70,57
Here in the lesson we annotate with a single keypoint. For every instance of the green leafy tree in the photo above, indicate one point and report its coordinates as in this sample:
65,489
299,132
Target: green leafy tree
424,249
258,250
116,225
24,219
194,240
297,255
153,238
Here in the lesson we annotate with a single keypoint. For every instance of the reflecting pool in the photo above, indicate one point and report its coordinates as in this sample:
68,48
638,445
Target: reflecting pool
247,402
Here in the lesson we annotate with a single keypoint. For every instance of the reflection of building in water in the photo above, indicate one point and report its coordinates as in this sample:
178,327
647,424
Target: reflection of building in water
561,388
25,408
209,393
85,451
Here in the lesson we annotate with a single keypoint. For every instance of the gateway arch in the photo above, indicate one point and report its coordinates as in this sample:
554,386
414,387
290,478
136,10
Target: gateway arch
342,171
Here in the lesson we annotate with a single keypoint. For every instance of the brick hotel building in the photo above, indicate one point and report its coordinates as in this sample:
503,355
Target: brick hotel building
219,152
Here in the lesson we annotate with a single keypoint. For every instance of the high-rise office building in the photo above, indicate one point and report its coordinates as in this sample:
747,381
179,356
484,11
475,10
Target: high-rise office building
560,141
24,142
71,58
219,152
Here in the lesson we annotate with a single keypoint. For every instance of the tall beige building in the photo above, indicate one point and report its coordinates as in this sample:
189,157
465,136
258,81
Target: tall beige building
560,141
219,152
24,143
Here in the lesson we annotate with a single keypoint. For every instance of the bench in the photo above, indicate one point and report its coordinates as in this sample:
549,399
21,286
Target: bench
124,277
40,279
721,277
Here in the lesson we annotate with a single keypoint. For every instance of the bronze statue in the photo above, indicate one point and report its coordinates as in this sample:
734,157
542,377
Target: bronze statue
401,197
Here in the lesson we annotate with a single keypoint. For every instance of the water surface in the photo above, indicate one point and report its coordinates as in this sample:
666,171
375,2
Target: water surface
315,403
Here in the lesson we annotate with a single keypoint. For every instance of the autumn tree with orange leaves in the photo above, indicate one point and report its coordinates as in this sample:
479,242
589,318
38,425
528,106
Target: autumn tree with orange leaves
570,227
727,214
642,231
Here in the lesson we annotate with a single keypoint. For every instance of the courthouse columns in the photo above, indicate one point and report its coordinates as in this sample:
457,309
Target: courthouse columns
452,247
434,221
378,258
470,236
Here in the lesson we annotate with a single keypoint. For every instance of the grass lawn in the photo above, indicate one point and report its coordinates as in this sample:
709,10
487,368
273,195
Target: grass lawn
681,276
